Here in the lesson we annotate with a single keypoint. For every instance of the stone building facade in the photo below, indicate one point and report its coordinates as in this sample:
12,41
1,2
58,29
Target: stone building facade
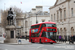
2,30
36,14
63,13
20,26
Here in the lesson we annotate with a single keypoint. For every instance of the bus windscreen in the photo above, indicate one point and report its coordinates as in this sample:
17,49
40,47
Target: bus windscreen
36,26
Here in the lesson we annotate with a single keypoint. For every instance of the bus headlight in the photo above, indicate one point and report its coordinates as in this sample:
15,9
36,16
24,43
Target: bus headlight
51,41
45,40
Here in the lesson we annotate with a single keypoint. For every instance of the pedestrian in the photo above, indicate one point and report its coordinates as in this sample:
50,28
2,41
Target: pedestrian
71,40
74,37
59,38
63,38
26,37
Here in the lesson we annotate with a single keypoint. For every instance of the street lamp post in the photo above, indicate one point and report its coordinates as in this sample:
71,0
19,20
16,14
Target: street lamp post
26,35
36,18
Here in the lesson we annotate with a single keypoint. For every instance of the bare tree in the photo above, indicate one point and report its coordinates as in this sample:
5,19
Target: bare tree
4,18
18,11
4,15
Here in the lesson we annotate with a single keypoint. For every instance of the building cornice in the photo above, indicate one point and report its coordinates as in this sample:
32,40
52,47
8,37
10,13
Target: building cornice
40,16
59,4
19,18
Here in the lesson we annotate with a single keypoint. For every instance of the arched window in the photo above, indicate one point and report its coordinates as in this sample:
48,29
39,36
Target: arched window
26,23
64,14
72,12
43,20
54,17
61,15
64,31
72,31
51,17
60,31
57,16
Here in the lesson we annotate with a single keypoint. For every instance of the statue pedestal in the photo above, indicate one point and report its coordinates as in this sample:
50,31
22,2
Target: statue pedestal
10,34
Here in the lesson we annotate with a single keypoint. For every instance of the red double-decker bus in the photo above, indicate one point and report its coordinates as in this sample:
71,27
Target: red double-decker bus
43,33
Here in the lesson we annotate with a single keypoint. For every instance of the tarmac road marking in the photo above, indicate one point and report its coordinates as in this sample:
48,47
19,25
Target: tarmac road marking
44,49
6,49
65,47
40,46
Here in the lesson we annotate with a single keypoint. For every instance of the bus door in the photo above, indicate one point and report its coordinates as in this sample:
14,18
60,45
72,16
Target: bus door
37,37
51,35
43,36
35,40
34,37
41,32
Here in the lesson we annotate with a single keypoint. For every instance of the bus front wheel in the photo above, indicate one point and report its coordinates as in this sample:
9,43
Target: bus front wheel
51,43
40,41
31,41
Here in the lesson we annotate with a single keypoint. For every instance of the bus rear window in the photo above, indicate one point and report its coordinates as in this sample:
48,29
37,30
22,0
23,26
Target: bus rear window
36,26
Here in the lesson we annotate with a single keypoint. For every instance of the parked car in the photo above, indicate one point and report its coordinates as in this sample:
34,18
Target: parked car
72,39
22,37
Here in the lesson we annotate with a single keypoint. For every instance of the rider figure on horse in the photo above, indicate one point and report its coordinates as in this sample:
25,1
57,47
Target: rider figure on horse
10,17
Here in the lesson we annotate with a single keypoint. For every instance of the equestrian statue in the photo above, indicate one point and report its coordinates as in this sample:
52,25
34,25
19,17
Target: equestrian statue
10,17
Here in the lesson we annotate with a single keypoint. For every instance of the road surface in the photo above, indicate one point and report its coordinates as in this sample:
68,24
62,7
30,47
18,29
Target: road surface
37,46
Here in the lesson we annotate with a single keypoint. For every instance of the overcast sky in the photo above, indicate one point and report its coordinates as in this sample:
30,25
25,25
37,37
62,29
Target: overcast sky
26,5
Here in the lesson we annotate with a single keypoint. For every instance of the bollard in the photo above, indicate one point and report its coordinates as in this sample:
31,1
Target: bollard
19,41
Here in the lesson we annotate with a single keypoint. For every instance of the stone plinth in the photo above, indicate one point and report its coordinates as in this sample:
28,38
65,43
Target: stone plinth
10,34
10,41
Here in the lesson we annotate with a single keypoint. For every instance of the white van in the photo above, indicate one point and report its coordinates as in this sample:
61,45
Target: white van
2,38
2,35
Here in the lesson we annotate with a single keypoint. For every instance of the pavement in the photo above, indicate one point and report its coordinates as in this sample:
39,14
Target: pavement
1,41
26,42
67,42
37,46
22,42
26,45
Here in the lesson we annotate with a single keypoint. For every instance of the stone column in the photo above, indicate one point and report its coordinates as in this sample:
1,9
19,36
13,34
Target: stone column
62,15
59,16
14,34
24,27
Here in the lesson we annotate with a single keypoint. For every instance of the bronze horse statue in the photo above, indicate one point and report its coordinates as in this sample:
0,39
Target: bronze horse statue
10,17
